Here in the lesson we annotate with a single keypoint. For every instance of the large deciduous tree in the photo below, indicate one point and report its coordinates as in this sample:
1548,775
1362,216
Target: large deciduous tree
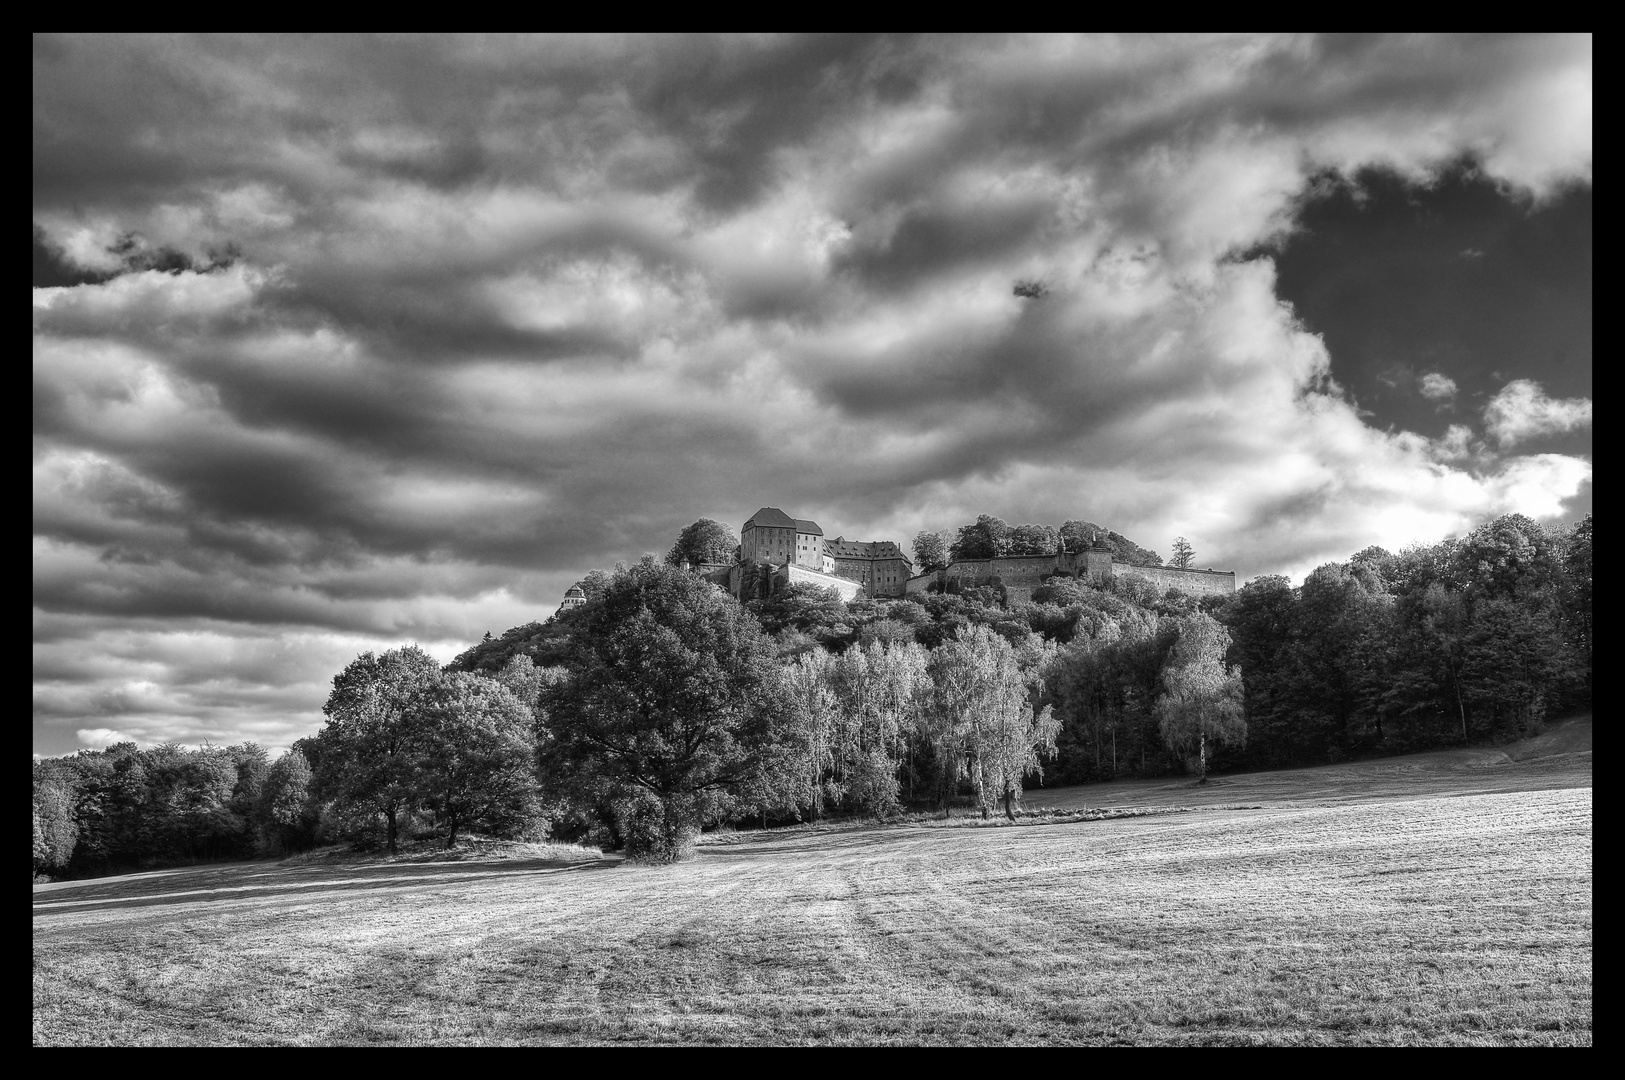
478,751
988,538
286,811
930,551
668,704
371,745
1033,540
705,541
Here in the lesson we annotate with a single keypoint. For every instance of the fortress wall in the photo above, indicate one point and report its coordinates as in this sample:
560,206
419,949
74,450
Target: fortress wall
800,575
718,574
1019,575
1189,582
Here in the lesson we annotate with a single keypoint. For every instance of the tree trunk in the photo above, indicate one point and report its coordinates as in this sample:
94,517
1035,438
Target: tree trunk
451,837
1201,758
1114,751
1462,708
1009,797
389,815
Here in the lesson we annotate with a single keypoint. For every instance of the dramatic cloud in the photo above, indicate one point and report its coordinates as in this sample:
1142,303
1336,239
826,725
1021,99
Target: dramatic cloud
346,342
1522,411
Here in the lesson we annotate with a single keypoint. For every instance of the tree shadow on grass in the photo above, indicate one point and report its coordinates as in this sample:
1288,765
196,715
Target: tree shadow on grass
255,882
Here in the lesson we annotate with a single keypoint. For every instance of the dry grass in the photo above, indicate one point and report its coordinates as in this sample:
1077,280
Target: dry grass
1325,917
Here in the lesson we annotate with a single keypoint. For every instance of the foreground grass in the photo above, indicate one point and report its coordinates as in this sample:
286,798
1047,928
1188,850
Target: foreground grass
1436,920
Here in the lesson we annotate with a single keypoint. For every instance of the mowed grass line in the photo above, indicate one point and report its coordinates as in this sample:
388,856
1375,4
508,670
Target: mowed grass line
1448,921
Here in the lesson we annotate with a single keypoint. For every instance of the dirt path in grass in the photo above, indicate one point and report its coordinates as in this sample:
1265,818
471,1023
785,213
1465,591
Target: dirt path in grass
1397,920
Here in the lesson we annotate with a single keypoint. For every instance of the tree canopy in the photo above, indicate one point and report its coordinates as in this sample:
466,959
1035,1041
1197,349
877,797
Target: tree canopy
705,541
670,691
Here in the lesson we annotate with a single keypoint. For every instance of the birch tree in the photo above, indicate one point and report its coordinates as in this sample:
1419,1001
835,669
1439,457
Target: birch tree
1202,699
813,711
984,722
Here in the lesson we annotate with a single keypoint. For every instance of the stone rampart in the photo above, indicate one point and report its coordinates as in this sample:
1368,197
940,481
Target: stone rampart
1019,575
800,575
1189,582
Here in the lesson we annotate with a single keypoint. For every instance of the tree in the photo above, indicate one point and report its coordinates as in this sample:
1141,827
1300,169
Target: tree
1020,727
1576,596
875,689
981,721
1075,535
670,693
1033,540
1183,554
705,541
55,829
371,743
1202,702
1510,556
930,551
477,749
286,812
1444,623
592,586
811,705
988,538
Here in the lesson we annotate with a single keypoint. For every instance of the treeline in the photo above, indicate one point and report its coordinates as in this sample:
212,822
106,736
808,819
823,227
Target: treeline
123,807
989,537
1477,639
662,705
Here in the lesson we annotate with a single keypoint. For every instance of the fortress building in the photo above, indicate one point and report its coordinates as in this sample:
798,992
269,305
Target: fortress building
776,549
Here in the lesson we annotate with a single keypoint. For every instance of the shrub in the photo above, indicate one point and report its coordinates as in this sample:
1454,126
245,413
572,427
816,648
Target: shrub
656,831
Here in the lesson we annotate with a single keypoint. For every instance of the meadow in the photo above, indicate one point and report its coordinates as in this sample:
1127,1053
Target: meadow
1441,898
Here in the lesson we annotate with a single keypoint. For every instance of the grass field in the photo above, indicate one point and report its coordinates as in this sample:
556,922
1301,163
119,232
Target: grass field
1438,899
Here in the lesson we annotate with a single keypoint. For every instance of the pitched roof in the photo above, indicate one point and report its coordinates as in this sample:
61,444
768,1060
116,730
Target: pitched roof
864,549
771,517
805,526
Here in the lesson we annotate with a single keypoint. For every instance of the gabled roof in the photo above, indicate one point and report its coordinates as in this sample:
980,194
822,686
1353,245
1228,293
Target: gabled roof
805,526
771,517
864,549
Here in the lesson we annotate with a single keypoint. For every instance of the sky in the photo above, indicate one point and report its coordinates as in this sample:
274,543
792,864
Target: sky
344,343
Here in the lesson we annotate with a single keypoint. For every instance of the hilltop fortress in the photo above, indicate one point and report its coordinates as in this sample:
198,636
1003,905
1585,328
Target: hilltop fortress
777,549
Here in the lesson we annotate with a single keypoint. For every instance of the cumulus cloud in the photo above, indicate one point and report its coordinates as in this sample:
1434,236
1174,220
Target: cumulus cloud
1436,387
1522,411
100,738
448,322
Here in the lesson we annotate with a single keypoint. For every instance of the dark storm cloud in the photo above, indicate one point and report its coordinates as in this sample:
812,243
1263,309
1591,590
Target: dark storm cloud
348,340
1378,267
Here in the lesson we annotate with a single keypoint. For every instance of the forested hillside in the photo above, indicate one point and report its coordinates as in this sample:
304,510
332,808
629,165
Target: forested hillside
661,705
